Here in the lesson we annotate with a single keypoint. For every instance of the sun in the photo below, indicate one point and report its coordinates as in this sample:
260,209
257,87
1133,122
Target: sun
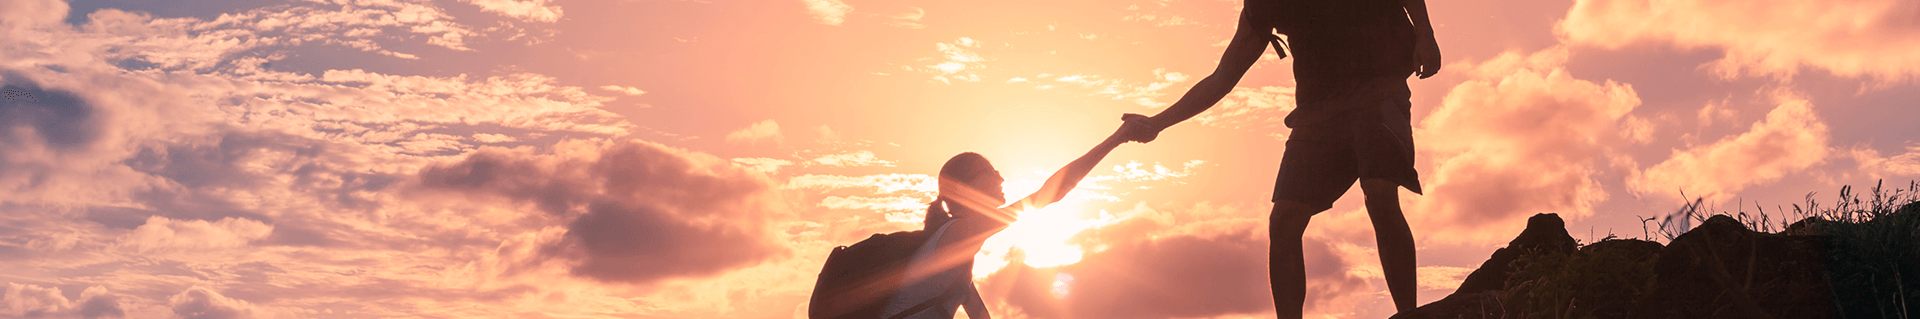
1041,235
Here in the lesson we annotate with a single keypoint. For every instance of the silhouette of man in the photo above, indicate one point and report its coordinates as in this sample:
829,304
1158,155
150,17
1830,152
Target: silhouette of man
1352,58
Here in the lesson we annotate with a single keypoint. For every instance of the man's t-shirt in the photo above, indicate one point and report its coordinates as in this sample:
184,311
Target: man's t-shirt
1347,53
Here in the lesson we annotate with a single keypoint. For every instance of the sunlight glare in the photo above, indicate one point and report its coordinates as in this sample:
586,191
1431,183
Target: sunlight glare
1062,284
1042,236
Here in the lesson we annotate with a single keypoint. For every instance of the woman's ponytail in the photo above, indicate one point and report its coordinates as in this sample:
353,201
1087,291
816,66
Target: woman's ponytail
937,214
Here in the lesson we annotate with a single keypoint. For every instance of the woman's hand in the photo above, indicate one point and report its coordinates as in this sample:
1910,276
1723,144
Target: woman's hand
1133,127
1138,128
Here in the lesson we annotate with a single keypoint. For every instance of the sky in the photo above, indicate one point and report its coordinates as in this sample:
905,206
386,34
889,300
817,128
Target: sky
699,159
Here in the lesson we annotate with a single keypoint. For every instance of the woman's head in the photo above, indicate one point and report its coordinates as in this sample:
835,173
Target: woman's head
967,180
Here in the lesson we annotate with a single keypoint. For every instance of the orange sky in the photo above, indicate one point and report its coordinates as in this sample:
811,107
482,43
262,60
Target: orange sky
698,159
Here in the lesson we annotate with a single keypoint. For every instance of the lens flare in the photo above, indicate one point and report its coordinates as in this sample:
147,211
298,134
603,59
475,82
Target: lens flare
1041,235
1062,284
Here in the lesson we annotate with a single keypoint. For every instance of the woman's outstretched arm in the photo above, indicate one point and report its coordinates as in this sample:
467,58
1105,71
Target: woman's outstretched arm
1067,177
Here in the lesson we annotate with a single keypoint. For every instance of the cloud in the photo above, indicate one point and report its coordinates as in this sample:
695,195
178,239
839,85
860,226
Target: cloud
763,164
826,134
493,138
1147,279
910,20
956,59
1136,172
641,212
1879,167
1156,18
136,39
41,126
898,209
529,10
1442,277
623,89
158,154
229,88
1262,109
855,159
1853,38
902,198
767,130
33,301
1791,139
880,184
522,100
18,18
202,303
1141,267
828,12
1522,137
164,234
1116,89
98,303
26,300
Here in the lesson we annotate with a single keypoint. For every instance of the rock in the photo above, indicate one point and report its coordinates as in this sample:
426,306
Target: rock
1478,295
1458,306
1723,270
1630,248
1858,261
1544,233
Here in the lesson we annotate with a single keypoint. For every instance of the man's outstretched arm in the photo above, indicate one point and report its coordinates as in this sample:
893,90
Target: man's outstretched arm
1249,41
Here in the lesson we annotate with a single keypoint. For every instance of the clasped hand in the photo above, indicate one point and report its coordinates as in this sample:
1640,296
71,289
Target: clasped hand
1135,128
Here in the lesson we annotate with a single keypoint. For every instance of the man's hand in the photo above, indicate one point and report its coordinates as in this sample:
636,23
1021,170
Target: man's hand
1427,52
1138,128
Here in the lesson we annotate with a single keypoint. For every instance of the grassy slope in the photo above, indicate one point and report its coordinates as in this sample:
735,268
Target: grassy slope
1871,267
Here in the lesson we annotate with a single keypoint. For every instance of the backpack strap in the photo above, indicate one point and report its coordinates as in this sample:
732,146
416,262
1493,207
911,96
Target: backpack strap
1278,44
932,240
1270,16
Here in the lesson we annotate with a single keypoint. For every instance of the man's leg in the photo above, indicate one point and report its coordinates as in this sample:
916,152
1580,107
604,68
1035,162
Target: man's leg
1286,264
1395,239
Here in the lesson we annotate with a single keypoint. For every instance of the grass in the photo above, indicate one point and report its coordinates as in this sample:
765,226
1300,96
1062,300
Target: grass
1872,258
1873,250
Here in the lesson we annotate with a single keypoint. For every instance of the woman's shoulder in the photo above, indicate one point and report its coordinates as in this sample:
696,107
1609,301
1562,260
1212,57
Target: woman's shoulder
973,226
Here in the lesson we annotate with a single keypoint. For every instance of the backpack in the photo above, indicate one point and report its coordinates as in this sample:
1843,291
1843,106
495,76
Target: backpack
858,280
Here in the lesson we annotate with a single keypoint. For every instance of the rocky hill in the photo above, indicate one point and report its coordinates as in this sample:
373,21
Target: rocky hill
1816,268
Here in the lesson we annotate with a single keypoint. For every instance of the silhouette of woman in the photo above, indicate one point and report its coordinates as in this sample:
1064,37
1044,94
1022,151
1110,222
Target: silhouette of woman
939,277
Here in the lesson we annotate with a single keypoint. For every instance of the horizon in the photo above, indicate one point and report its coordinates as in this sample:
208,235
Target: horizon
699,159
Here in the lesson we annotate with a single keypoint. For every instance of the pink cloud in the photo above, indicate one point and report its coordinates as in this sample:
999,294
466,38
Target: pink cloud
1149,279
530,10
202,303
828,12
641,212
1144,267
1522,137
33,301
1262,109
163,234
1853,38
1790,139
1882,167
762,131
26,300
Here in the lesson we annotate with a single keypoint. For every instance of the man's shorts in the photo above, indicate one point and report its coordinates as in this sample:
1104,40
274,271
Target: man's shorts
1324,159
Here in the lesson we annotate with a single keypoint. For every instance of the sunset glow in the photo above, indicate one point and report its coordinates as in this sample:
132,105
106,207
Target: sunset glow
1042,236
701,159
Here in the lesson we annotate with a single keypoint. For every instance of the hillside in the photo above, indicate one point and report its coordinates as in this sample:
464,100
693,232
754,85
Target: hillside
1852,260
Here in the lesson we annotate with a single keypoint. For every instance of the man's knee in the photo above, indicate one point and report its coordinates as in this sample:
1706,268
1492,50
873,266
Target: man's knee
1292,215
1379,187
